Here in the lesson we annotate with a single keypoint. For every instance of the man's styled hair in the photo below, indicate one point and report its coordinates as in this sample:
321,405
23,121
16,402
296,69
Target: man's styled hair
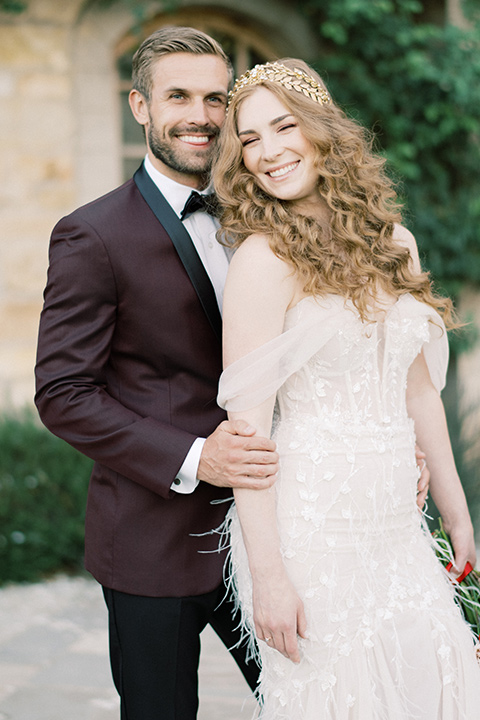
167,40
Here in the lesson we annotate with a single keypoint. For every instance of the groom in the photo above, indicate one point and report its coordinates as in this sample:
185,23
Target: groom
129,356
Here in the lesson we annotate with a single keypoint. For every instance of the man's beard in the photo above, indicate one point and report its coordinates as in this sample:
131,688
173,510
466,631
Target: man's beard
182,161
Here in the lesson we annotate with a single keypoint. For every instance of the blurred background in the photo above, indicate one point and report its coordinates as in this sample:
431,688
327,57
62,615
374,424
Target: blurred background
408,69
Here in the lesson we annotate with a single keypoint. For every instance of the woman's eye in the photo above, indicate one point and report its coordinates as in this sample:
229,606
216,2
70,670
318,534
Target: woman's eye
287,127
248,142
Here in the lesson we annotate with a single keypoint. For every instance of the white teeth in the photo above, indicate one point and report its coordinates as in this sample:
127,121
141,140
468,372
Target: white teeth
195,139
283,170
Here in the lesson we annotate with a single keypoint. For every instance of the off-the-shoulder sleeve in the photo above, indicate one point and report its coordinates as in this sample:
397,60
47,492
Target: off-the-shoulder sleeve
436,354
435,349
257,376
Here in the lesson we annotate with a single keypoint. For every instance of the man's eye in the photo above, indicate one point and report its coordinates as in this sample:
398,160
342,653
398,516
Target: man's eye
177,96
216,100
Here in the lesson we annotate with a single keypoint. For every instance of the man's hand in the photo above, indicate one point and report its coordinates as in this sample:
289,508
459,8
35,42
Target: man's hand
233,456
424,479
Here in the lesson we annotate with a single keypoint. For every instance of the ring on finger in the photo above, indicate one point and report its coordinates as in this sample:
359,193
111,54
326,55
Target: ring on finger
267,639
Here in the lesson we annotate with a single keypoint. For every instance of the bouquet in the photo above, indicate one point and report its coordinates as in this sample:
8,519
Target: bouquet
467,584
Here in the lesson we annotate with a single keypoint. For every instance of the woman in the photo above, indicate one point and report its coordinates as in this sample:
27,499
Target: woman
334,336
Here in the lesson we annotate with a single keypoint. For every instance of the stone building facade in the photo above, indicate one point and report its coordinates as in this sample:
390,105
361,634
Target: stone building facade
66,137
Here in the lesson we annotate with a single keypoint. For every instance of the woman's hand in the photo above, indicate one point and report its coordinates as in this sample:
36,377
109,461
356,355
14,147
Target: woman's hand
278,613
461,536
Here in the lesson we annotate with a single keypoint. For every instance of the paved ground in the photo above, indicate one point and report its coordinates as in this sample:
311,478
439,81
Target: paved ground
54,658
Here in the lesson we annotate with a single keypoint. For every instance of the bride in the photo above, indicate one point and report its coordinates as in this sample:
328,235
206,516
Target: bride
334,337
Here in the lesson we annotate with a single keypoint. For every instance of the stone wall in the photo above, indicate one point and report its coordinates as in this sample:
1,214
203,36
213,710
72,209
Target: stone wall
36,166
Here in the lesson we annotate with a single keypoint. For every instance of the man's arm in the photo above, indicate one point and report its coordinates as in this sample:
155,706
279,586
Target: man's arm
75,336
77,326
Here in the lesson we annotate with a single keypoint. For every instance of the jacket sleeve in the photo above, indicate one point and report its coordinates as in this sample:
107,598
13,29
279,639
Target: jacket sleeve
77,326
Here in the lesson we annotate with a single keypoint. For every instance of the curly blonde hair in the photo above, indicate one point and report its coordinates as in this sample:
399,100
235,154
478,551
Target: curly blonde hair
352,253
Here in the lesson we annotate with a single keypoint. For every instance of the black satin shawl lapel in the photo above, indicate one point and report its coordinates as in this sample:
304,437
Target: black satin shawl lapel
183,245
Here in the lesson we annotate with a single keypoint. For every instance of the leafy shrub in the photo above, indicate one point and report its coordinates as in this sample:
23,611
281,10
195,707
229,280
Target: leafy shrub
43,485
416,81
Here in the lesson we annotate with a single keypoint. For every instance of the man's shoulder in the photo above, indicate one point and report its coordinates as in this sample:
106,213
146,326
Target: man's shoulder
117,200
110,216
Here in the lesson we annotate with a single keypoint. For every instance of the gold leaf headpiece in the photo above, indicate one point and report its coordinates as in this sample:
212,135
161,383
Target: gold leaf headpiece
291,79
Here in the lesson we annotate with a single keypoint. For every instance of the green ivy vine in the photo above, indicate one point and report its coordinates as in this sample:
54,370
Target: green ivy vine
417,85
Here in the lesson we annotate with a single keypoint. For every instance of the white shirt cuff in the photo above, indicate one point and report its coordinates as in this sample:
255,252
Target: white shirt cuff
186,480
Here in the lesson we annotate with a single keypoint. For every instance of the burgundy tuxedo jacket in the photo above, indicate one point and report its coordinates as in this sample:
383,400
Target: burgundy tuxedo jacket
127,371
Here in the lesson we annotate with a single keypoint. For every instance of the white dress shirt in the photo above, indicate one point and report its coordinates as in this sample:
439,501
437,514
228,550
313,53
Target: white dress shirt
202,229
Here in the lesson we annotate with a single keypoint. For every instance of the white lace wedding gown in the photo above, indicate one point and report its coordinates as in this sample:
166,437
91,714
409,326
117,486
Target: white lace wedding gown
385,639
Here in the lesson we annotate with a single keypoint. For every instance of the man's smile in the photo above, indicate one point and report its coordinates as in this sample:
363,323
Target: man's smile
195,139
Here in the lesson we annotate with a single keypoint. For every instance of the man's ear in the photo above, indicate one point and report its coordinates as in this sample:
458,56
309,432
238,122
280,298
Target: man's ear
139,107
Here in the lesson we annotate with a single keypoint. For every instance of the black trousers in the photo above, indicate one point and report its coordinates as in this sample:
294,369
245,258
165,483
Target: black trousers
155,651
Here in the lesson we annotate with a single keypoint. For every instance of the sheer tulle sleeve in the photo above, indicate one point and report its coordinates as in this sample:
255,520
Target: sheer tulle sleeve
436,354
436,349
249,381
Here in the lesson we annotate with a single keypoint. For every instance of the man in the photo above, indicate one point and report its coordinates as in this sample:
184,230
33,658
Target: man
129,357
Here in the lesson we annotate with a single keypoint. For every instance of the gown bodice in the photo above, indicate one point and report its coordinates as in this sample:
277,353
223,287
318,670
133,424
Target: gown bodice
356,381
329,364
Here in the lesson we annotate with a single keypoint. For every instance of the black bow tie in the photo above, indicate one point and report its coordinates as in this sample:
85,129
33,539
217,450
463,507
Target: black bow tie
196,202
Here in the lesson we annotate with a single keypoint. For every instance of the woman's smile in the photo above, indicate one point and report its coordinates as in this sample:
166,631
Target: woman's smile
276,151
282,171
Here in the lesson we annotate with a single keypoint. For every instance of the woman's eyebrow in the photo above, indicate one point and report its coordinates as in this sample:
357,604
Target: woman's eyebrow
275,121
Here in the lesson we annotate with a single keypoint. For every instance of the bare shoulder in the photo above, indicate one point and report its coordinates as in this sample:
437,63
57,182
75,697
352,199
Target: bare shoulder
256,245
256,255
404,237
259,280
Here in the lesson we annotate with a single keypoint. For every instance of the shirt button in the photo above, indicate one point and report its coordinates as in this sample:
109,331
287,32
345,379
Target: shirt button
177,481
